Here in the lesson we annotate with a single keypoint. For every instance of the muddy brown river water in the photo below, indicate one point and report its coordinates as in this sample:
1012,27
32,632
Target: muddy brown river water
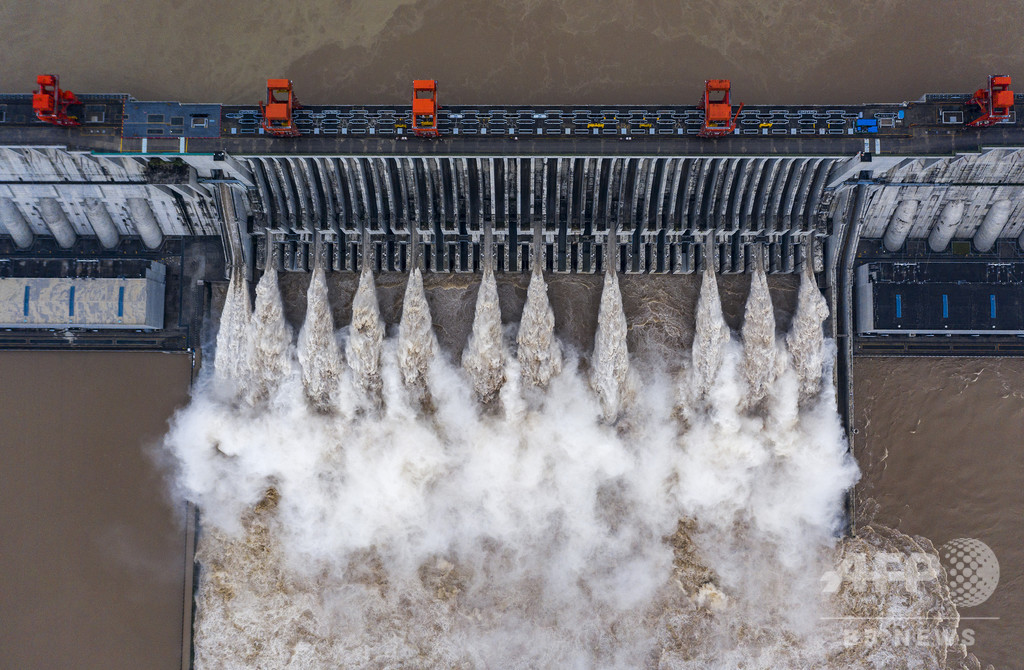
93,558
939,443
529,51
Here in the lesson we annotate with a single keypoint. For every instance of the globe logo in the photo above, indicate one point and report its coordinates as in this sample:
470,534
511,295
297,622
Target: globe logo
972,569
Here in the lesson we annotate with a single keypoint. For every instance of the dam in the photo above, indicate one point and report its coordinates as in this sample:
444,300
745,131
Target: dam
901,221
638,189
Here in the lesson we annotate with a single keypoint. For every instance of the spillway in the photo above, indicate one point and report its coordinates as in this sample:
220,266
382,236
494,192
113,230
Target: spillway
657,208
473,535
539,351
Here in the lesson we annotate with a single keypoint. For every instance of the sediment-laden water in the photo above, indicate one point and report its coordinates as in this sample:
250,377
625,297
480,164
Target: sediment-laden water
533,506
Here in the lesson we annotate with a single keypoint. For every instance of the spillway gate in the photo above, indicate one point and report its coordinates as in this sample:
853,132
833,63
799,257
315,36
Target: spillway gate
643,214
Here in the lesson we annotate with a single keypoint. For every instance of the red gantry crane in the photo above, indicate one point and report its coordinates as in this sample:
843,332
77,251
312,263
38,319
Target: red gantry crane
718,117
424,108
51,104
276,112
996,102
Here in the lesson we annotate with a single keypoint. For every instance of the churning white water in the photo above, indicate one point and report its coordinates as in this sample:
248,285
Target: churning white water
710,337
444,534
806,341
318,352
759,348
484,357
609,369
271,357
232,338
540,355
366,339
417,344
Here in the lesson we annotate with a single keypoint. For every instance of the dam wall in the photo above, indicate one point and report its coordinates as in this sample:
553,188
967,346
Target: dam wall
643,214
51,192
971,185
659,214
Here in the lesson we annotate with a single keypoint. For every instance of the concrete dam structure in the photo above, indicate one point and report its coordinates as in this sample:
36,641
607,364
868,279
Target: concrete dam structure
642,190
664,214
576,331
60,196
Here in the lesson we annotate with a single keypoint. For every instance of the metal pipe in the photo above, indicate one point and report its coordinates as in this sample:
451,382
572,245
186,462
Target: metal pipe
145,222
946,226
899,226
15,222
101,222
992,225
56,220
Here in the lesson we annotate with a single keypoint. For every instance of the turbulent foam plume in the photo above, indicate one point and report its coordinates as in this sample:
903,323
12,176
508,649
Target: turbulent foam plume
366,338
609,372
417,343
541,538
806,339
710,336
484,356
271,340
540,355
232,358
759,352
319,355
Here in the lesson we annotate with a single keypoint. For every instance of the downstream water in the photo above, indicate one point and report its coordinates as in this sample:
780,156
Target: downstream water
94,558
939,444
529,503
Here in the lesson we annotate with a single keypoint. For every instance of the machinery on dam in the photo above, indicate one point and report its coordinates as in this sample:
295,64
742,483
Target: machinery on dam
642,189
277,112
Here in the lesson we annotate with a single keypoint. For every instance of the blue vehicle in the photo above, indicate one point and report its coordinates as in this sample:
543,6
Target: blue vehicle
867,126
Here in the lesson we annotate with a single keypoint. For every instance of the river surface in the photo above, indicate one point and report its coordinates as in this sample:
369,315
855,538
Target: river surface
939,443
521,51
93,558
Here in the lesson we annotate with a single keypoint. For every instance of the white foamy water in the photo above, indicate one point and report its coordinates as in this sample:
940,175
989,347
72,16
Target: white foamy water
270,340
759,349
710,337
548,537
806,341
609,368
484,356
539,354
232,356
318,352
417,344
366,339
